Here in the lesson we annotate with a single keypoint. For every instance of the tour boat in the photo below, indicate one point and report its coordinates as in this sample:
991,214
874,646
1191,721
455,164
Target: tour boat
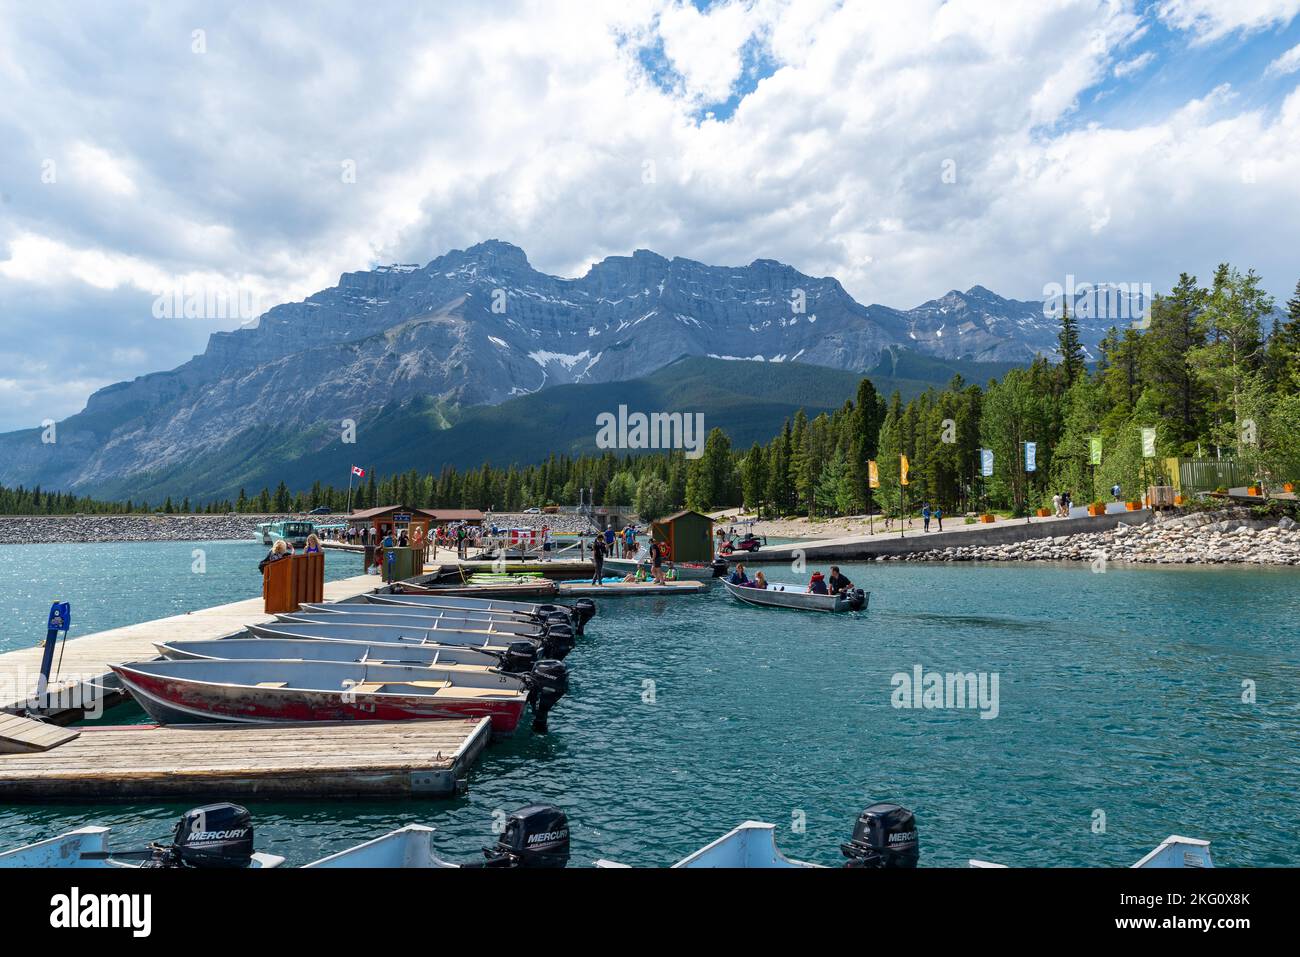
777,595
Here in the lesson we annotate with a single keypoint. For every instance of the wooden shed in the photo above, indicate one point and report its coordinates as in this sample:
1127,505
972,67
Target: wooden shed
688,535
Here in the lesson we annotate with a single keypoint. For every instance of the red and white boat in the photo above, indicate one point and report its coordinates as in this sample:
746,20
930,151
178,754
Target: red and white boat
274,690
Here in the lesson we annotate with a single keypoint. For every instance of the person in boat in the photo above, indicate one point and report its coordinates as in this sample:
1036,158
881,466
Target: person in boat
838,583
760,581
738,577
278,551
817,584
313,545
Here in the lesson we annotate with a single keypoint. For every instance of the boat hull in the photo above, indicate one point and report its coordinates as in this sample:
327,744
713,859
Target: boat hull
180,697
685,572
310,649
781,597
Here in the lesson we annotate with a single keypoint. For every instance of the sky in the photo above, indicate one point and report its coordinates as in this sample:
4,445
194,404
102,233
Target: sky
253,152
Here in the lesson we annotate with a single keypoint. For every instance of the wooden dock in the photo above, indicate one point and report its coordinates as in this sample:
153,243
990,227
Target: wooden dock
311,759
85,683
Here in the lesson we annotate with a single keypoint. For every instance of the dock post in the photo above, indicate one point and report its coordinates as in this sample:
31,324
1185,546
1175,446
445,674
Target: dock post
60,620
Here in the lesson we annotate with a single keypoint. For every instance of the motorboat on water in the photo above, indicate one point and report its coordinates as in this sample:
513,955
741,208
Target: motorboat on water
777,595
552,643
489,626
685,571
220,836
254,690
302,649
579,613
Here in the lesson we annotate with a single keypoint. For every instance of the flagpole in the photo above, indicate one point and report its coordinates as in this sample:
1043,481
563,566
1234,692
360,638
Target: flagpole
350,477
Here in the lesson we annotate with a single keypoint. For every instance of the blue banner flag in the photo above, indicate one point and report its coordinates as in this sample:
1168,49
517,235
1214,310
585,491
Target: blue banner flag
1031,456
986,462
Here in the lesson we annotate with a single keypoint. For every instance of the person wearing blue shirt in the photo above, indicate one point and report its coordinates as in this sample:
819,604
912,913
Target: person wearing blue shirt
738,577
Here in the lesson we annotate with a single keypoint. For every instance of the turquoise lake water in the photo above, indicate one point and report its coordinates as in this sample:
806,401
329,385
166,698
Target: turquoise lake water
1118,693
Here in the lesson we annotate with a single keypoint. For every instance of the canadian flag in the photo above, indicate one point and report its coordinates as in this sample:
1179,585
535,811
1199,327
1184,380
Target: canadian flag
358,472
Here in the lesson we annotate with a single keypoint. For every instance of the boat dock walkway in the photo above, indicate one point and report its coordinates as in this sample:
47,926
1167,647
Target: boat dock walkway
391,759
84,683
1004,531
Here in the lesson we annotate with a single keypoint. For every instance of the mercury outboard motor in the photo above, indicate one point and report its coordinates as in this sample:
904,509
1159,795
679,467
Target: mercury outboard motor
558,641
719,566
215,836
584,609
883,837
546,683
857,599
534,836
520,656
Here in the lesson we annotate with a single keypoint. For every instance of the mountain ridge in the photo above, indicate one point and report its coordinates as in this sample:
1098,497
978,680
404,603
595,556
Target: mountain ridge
478,326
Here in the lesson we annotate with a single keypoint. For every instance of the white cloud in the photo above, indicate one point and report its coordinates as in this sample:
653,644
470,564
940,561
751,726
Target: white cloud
1287,63
1135,65
537,123
1210,20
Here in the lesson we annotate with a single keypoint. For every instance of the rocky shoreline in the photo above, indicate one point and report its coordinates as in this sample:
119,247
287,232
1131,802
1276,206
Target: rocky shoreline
1224,537
73,529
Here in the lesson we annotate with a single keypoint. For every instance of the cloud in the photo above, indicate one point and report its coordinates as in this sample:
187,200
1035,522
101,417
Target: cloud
1135,65
302,145
1211,20
1287,63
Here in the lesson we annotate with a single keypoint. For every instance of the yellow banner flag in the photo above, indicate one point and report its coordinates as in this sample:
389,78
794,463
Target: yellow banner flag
903,467
873,475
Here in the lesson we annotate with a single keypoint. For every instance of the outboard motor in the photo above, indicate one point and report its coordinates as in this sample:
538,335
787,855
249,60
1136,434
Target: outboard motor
857,599
558,641
719,566
547,683
520,656
534,836
215,836
883,837
585,610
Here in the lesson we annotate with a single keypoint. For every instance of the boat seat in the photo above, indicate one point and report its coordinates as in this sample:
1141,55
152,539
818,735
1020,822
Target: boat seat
272,684
366,687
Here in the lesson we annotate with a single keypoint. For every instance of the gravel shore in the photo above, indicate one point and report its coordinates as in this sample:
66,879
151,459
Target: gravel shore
1225,537
45,529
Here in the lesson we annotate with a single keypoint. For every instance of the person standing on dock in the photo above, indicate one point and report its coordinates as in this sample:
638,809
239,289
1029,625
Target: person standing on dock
657,561
925,515
938,514
598,553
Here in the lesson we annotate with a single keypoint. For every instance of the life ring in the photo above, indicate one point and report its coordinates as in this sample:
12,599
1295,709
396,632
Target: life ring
665,551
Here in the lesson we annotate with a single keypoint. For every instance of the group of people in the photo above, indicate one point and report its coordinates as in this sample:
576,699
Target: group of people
928,512
606,544
1061,503
837,584
282,549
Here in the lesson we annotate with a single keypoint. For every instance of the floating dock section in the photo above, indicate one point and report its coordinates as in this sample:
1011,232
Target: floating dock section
310,759
84,682
616,589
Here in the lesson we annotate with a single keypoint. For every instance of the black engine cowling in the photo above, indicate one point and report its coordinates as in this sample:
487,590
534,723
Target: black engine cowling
883,837
534,836
558,641
212,836
857,599
719,566
520,656
547,684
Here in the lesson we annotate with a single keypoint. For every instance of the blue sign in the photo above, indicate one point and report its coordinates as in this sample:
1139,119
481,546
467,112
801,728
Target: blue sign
60,616
986,462
1031,456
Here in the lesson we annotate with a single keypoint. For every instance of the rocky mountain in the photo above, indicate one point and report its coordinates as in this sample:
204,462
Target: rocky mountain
475,327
